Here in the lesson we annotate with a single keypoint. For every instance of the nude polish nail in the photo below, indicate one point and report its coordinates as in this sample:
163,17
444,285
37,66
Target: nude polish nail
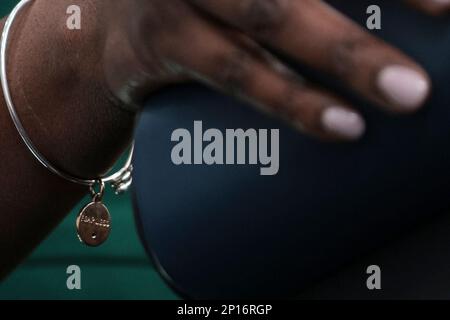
404,87
343,123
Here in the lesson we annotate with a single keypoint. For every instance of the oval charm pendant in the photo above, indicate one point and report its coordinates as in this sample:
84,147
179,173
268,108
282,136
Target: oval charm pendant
94,224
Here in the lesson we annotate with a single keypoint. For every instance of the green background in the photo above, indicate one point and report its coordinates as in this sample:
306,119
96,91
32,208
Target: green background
118,270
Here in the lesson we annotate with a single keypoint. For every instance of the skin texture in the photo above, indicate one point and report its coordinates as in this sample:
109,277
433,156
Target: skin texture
78,93
222,44
58,88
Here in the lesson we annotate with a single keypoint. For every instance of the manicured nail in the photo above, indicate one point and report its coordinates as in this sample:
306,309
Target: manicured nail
344,123
403,86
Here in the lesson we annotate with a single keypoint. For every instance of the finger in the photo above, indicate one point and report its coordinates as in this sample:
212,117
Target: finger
244,71
321,37
433,7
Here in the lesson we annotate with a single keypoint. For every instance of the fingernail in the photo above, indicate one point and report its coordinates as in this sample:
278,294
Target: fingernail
344,123
403,86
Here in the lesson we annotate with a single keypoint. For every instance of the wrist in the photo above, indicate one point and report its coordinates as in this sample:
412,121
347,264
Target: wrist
134,68
64,106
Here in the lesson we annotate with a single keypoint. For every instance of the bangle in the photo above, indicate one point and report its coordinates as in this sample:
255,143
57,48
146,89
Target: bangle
93,222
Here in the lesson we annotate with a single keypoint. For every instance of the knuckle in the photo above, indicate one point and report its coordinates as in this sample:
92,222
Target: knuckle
263,16
341,59
231,71
345,55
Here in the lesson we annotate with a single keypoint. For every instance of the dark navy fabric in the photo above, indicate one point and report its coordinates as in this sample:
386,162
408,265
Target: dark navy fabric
226,231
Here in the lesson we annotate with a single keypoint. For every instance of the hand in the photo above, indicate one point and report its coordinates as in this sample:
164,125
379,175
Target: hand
221,43
62,80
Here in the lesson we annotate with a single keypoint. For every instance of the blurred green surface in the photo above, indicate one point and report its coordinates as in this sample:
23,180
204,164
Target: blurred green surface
118,270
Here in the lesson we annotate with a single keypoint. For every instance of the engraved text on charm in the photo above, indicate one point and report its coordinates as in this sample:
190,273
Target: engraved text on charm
94,224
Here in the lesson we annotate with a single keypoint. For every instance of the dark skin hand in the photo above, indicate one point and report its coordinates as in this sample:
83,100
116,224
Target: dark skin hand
78,93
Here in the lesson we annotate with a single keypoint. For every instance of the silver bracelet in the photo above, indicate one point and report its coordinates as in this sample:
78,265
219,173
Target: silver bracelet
93,222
